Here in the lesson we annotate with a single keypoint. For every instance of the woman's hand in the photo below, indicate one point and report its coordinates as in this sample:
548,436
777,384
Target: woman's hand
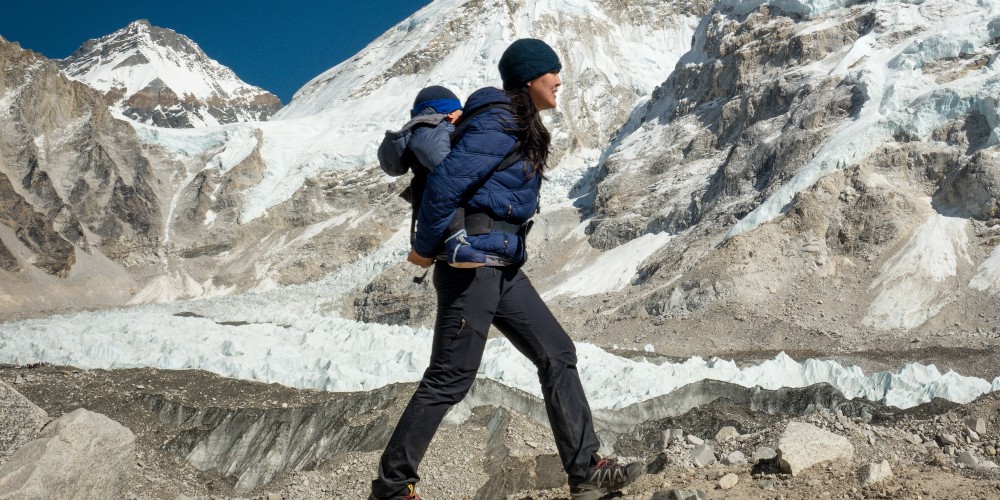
417,259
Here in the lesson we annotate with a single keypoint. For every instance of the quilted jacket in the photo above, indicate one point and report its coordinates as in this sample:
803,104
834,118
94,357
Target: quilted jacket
510,195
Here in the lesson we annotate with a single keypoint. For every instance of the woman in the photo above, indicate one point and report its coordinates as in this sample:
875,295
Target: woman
471,299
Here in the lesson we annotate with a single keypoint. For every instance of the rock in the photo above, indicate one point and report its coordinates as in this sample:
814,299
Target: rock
991,451
803,445
670,435
931,444
764,453
726,433
967,458
972,189
20,421
975,424
80,455
680,494
915,439
946,439
987,464
728,481
695,440
735,458
703,455
273,496
658,463
875,473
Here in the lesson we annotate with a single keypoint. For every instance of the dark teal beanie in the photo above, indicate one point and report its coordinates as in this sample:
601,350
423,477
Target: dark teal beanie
525,60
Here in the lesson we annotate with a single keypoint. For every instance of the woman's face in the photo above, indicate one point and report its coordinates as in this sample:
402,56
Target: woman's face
543,90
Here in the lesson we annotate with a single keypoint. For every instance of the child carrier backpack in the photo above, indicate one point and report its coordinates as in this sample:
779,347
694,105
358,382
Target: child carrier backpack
396,159
394,155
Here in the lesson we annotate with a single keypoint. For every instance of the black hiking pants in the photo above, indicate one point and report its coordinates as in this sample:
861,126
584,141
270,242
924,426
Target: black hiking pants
469,300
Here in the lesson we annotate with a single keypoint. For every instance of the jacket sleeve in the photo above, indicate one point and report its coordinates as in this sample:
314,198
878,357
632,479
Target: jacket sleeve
431,144
481,147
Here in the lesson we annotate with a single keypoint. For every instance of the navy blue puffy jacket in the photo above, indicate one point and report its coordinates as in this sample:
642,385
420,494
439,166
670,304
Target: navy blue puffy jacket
509,195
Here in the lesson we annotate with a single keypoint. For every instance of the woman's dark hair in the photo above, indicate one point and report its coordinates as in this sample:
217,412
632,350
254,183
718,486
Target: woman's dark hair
531,131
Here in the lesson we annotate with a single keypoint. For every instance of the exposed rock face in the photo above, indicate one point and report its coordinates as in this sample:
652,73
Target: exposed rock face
73,176
159,77
80,455
509,469
255,445
973,190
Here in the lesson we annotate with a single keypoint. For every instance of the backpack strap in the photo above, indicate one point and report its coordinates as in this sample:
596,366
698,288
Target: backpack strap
512,156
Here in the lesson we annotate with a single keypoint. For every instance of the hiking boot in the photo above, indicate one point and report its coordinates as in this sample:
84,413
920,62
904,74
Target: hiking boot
607,476
412,495
460,253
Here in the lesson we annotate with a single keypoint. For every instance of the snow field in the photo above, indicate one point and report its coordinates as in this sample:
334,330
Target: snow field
308,350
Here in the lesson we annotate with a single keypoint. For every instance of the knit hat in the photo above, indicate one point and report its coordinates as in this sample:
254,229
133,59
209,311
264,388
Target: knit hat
525,60
437,97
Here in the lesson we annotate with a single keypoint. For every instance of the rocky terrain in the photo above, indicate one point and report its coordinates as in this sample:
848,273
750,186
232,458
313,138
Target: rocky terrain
790,444
735,179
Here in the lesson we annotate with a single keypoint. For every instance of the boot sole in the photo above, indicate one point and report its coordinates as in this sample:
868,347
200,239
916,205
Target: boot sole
589,495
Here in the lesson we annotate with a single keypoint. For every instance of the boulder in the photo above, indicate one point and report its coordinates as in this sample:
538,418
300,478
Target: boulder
803,445
875,473
671,435
947,439
967,458
728,481
695,440
735,458
703,455
20,421
680,494
976,424
726,433
764,453
80,455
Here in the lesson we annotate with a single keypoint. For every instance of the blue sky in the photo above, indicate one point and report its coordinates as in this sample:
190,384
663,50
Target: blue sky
278,46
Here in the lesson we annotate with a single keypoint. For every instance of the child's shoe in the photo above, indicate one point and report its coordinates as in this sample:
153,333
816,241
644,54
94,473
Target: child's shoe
460,253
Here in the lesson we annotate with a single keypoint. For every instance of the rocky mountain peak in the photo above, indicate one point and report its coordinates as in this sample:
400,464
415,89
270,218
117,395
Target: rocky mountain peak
160,77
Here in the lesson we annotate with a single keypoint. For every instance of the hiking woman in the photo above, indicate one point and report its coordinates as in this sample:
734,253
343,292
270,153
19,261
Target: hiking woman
498,206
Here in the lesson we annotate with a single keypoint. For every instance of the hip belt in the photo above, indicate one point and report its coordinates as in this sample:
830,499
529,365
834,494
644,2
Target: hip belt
481,223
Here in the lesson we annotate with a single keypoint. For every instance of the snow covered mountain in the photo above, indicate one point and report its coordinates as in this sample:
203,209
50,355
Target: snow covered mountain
307,179
159,77
762,168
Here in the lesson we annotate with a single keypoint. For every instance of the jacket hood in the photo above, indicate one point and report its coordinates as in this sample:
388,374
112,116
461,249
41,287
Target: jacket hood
484,97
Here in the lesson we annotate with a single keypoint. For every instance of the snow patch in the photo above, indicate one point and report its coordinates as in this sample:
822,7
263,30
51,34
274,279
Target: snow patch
611,271
987,276
913,281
